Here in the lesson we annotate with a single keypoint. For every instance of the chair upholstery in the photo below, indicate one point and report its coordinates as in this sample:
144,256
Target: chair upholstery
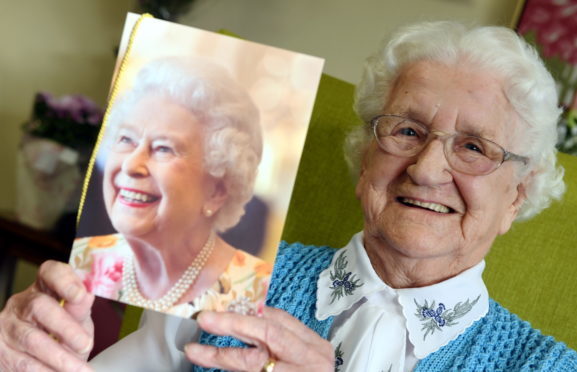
531,270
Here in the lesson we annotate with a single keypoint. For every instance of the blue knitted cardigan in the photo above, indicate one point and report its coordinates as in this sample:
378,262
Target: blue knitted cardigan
500,341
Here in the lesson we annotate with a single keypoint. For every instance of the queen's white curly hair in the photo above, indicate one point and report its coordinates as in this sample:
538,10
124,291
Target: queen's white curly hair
233,138
527,84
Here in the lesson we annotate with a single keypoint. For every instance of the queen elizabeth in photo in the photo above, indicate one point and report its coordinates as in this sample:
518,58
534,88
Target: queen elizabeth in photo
182,150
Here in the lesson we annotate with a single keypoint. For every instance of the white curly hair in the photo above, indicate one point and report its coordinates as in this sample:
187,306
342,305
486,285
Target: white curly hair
233,138
527,84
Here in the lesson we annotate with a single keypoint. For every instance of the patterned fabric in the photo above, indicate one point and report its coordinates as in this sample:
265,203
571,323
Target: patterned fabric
500,341
99,261
343,281
433,320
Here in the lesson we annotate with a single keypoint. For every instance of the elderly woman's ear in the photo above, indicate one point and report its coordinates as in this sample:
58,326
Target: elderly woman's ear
515,207
216,197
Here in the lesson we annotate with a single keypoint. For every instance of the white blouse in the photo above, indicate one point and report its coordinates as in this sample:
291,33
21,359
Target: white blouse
379,328
157,345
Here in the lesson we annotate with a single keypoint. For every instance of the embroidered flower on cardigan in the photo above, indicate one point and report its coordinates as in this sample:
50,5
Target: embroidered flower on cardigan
434,319
344,283
339,358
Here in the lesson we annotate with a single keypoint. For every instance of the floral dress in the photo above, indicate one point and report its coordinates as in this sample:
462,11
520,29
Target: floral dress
242,287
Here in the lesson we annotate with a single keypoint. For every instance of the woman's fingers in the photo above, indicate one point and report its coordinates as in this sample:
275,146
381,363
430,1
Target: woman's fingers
59,280
276,334
258,331
237,359
278,330
55,320
71,325
296,326
230,359
37,347
12,360
35,330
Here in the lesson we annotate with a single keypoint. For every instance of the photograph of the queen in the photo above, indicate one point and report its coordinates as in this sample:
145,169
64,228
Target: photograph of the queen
183,147
171,221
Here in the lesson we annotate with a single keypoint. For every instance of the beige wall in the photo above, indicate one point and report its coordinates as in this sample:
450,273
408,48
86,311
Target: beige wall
59,46
343,32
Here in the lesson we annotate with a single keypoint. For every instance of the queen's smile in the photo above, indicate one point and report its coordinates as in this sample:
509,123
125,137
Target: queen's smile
136,198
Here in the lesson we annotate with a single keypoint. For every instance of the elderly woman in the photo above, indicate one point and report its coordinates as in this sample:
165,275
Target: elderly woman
183,149
458,143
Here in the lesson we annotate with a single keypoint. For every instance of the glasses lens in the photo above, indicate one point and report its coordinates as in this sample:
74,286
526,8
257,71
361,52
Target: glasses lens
467,154
400,136
474,155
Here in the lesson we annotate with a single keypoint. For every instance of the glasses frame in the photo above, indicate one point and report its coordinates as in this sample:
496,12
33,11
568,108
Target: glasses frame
444,137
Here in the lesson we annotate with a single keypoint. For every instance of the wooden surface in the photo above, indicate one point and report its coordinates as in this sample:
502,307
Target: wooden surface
18,241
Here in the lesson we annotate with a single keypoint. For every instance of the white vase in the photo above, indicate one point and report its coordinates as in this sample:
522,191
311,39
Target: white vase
47,177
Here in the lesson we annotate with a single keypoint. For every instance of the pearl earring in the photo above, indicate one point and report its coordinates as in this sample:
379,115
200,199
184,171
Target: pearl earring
208,212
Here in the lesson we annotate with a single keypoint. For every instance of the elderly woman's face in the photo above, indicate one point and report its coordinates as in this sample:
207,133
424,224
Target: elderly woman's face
450,99
154,179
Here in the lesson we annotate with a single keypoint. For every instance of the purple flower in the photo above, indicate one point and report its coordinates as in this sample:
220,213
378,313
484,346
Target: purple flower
72,120
75,108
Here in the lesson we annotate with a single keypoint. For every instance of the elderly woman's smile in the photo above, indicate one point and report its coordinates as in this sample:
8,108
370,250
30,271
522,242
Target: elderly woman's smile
420,207
155,180
427,205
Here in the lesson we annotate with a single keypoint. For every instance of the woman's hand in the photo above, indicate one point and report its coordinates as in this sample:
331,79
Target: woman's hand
38,334
276,335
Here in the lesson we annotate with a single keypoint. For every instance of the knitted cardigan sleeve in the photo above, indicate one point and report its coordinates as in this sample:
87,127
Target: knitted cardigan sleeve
294,283
501,341
293,288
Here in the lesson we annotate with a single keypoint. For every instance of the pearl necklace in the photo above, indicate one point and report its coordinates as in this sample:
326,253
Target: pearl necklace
133,296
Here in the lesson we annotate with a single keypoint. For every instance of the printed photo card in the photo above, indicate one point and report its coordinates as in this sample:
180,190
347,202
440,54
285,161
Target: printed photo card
190,180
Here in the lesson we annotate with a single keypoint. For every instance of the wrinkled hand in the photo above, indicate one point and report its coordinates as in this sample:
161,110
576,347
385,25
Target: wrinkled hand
276,334
37,334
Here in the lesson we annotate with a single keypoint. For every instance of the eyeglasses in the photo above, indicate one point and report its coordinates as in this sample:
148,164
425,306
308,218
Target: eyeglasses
465,153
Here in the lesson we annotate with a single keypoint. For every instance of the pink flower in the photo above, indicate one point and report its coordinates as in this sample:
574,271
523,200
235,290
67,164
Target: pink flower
554,23
105,276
